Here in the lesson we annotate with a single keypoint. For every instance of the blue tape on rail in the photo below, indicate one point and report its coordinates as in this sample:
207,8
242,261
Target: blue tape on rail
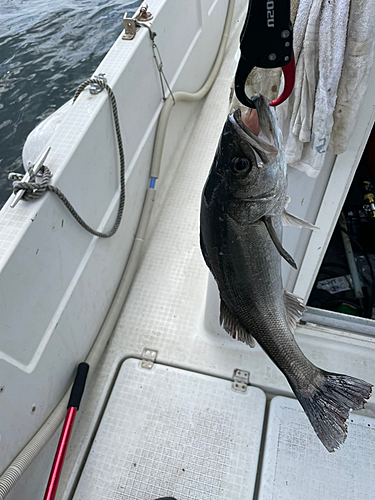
152,182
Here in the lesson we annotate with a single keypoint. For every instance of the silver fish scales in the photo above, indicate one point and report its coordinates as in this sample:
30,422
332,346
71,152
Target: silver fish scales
242,214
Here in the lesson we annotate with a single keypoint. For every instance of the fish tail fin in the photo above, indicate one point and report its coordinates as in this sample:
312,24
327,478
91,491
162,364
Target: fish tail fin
328,408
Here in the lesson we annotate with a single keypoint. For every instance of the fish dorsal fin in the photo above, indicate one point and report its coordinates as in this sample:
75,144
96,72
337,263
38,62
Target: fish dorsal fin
292,220
271,230
232,326
294,309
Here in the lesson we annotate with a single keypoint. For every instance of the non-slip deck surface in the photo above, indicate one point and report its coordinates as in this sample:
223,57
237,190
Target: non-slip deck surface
297,466
171,432
166,306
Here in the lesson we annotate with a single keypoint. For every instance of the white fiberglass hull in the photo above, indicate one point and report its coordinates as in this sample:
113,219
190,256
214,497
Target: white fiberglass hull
168,308
57,280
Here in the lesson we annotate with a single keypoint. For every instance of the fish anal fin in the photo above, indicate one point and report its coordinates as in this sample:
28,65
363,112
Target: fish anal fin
275,239
294,309
292,220
233,327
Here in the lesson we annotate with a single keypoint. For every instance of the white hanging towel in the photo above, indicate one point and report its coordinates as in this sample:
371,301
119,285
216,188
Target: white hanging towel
358,58
308,119
334,51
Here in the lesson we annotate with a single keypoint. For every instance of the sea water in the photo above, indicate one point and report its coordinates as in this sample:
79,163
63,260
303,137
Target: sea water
47,48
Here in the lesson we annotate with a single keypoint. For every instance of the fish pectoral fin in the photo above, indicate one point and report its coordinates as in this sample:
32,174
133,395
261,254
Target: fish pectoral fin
271,230
294,309
233,327
292,220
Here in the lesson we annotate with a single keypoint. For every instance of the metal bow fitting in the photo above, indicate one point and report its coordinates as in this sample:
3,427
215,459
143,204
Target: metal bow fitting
266,42
31,175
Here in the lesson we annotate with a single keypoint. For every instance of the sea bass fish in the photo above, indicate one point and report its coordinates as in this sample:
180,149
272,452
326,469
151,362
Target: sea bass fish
242,214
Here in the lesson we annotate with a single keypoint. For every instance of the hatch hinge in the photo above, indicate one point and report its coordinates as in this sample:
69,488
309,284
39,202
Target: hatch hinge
241,380
148,358
133,24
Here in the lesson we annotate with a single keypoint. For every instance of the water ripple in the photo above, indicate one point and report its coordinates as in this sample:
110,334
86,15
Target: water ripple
46,51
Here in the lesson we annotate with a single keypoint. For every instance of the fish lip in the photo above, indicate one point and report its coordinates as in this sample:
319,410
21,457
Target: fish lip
238,121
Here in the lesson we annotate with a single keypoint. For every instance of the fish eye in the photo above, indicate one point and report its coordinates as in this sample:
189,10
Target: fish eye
240,165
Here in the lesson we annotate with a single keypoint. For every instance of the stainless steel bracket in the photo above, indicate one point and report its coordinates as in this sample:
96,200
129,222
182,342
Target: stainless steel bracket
241,381
148,358
95,88
35,169
133,24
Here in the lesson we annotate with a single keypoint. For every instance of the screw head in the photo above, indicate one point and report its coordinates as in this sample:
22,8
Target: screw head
287,44
285,33
286,58
272,57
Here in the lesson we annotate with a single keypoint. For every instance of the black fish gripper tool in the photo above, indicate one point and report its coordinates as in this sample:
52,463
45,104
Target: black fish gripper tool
266,42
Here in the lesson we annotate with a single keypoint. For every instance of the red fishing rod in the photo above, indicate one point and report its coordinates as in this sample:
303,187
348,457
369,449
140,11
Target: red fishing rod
73,407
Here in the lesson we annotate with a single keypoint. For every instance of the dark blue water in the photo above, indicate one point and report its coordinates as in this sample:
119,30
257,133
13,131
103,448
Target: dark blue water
47,48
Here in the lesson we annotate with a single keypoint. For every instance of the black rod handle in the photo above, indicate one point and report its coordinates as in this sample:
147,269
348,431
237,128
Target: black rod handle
78,386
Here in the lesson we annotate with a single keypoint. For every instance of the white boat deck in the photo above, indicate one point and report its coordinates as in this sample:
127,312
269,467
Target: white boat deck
172,432
165,311
294,461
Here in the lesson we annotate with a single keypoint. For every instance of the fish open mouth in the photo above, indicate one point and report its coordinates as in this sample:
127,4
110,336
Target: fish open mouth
264,147
249,119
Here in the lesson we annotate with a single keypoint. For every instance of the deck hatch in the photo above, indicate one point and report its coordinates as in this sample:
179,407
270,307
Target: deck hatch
172,432
296,465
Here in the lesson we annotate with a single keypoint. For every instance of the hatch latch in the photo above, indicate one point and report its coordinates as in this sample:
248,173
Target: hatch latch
241,380
148,358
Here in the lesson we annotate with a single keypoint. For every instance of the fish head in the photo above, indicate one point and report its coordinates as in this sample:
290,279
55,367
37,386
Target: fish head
251,168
